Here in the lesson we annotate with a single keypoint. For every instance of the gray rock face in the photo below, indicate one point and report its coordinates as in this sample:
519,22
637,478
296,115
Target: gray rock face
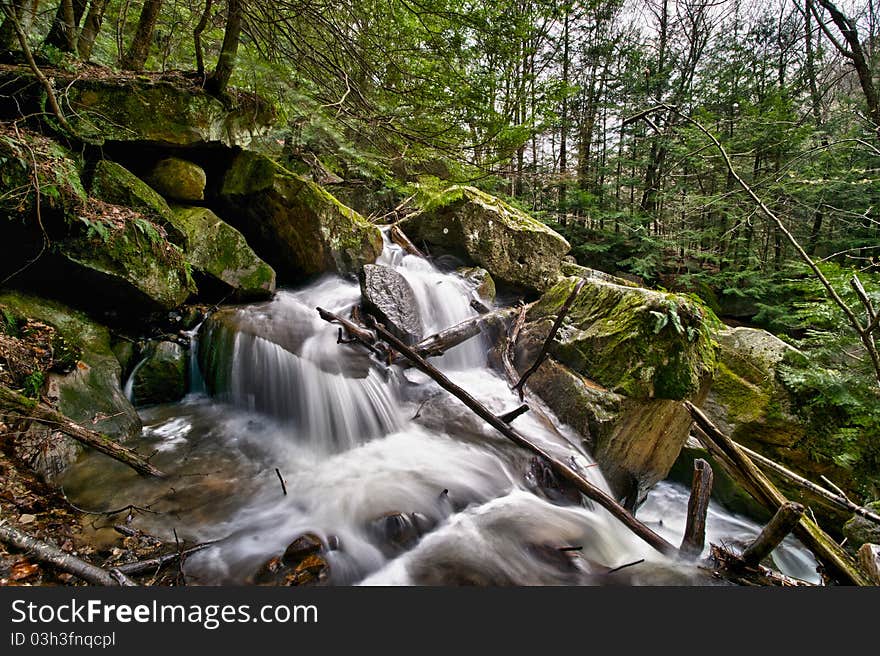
162,378
388,295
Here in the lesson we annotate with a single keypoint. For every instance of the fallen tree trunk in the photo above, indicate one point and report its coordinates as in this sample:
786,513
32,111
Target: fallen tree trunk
560,468
40,412
46,553
399,237
437,344
737,464
698,506
508,348
782,523
838,500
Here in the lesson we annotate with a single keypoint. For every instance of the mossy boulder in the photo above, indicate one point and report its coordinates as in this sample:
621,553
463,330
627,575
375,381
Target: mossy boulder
178,179
575,269
90,393
219,252
163,112
115,184
516,249
161,376
481,279
636,342
297,227
859,530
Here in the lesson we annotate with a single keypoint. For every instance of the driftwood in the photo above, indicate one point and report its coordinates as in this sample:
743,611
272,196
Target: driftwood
837,499
159,561
358,334
729,566
545,349
698,505
560,468
27,408
437,344
508,355
47,553
782,523
738,465
399,237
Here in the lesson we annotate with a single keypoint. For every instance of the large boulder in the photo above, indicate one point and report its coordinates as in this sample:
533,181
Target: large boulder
389,296
161,376
516,249
85,385
298,227
859,530
219,252
178,179
636,342
161,111
113,183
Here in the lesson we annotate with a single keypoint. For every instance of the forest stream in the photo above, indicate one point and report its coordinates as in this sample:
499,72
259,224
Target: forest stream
401,483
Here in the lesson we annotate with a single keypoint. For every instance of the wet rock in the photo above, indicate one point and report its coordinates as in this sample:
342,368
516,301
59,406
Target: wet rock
303,546
297,227
161,378
86,386
481,279
516,249
541,479
219,252
388,295
302,563
397,531
178,179
859,530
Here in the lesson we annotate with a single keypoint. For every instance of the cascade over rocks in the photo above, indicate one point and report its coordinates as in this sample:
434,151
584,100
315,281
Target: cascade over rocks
391,298
296,226
514,248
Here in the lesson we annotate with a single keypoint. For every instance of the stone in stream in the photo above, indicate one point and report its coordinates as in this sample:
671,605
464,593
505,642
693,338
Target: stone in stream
302,563
161,378
389,296
397,531
481,279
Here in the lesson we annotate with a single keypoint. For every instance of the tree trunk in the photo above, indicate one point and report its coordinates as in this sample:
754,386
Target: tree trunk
91,29
139,50
219,80
63,33
197,37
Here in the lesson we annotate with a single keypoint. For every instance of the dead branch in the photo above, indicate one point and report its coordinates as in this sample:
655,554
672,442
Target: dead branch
132,569
545,349
47,553
29,409
728,565
508,417
399,237
836,561
508,349
559,467
782,523
437,344
698,505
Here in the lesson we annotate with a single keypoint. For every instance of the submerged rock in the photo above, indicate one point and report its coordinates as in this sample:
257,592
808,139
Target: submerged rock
515,248
161,377
219,252
178,179
397,531
389,296
87,388
297,227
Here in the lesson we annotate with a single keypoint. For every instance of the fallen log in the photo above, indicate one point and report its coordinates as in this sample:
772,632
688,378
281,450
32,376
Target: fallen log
358,334
698,506
545,349
42,413
159,561
782,523
869,558
47,553
729,566
837,499
559,467
399,237
437,344
737,464
508,355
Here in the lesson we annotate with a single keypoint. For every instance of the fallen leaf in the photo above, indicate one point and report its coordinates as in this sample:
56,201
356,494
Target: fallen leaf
27,519
22,570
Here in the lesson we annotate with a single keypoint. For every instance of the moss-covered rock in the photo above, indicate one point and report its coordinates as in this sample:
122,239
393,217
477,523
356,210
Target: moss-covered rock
90,394
115,184
178,179
575,269
161,376
218,251
515,248
481,279
161,112
298,227
859,530
633,341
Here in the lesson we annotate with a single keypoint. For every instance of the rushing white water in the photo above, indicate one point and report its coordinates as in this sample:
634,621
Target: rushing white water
355,441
